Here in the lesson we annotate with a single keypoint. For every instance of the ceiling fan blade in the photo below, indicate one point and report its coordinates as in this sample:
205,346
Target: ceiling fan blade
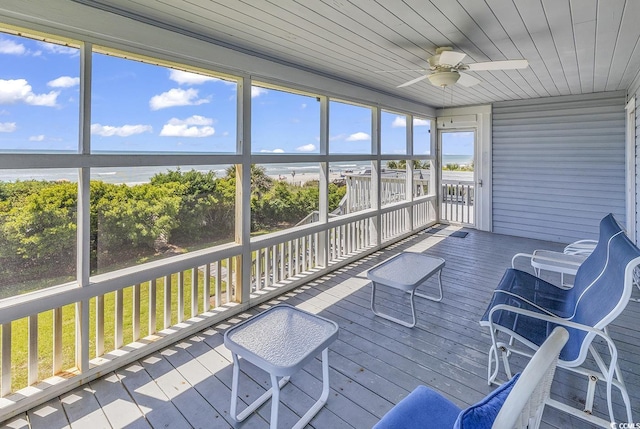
412,81
499,65
451,58
467,80
401,70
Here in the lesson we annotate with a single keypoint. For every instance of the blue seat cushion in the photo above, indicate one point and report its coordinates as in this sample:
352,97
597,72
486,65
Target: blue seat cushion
426,408
484,413
421,409
523,290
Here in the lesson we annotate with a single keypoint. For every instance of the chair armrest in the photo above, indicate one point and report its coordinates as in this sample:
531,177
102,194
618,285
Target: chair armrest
520,255
558,321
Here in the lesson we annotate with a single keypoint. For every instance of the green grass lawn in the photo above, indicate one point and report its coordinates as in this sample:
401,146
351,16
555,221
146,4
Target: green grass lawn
20,336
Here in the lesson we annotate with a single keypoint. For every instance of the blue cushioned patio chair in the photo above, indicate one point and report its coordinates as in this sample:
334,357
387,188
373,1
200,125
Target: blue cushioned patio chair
519,403
526,309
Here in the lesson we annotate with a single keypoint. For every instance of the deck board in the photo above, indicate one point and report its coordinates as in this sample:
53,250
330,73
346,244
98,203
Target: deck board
373,364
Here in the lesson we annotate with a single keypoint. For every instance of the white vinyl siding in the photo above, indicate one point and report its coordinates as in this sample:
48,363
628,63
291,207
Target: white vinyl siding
558,165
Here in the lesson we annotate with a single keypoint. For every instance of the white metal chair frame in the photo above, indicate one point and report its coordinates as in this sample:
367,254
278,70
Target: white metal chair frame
525,404
610,373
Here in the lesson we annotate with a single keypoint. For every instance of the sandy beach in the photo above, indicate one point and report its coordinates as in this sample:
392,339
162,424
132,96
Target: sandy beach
303,177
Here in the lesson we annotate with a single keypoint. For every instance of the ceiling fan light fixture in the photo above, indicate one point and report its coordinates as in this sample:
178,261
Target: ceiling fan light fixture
444,78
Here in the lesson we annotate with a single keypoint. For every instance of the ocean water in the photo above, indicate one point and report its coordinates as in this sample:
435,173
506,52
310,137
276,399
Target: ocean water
135,175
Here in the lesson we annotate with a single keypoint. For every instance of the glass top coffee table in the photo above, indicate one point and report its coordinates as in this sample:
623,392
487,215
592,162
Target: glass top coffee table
406,272
280,340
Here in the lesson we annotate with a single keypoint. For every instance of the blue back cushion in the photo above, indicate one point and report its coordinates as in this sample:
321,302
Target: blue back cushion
484,413
599,283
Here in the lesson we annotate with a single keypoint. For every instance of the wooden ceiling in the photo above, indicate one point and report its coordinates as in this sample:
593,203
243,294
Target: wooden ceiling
573,46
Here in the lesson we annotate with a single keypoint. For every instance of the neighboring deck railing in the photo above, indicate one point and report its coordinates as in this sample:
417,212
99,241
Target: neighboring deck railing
393,190
457,201
172,298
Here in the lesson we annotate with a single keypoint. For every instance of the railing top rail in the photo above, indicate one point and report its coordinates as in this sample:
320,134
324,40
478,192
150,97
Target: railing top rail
19,306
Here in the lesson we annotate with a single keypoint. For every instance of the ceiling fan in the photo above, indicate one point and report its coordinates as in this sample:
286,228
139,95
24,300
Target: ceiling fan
446,68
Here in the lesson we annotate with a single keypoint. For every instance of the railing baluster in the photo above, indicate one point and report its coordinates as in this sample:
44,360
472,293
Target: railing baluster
218,279
153,305
282,256
5,380
57,340
99,325
194,291
119,318
267,264
167,301
33,350
258,268
229,279
206,292
289,259
136,312
304,254
180,297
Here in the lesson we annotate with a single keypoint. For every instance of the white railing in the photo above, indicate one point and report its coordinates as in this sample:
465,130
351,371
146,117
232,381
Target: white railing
393,190
95,332
457,201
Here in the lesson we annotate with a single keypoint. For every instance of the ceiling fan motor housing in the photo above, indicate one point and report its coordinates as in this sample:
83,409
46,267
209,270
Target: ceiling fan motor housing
444,78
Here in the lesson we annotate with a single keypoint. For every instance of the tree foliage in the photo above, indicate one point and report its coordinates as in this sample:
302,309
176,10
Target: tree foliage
176,209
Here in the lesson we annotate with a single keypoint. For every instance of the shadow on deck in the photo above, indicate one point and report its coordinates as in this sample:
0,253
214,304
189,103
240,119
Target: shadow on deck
373,364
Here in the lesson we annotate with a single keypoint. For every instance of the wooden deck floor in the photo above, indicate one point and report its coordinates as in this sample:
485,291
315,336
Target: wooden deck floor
373,364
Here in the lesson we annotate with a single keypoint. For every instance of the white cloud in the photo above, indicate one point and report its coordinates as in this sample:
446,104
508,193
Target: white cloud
303,106
193,126
307,148
123,131
272,151
188,78
399,121
7,127
58,49
12,48
37,138
176,97
420,122
64,82
19,91
256,91
356,137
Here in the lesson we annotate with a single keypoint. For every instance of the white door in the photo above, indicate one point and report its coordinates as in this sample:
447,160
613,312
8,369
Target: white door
458,176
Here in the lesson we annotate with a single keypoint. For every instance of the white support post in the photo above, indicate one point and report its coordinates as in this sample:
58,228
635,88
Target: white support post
376,179
409,174
243,194
83,237
323,207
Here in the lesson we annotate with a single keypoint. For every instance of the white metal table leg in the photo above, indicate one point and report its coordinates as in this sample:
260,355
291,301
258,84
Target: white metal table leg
323,397
388,317
431,297
255,404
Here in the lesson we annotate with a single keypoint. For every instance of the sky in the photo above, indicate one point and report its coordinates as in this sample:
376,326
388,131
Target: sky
144,108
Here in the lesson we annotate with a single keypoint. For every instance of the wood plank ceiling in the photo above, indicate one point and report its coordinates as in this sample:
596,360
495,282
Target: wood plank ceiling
573,46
